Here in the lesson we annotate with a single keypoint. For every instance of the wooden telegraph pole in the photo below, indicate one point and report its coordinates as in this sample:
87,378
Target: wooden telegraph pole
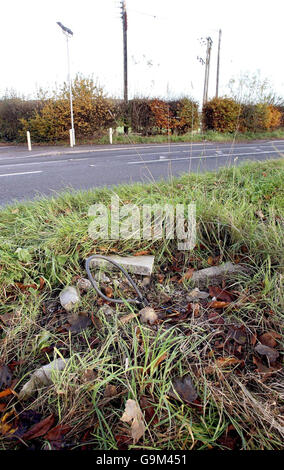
125,79
218,64
207,68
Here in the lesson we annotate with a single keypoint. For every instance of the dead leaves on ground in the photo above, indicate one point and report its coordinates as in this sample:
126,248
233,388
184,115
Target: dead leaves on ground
183,389
133,415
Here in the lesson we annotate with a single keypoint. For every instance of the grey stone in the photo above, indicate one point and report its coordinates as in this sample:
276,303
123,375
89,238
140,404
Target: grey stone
84,284
69,298
216,274
142,265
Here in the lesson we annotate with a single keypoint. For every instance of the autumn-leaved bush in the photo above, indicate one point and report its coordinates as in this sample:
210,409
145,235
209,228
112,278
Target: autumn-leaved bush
185,115
92,112
259,117
221,115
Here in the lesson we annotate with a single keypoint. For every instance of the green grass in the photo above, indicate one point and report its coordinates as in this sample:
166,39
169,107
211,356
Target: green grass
240,214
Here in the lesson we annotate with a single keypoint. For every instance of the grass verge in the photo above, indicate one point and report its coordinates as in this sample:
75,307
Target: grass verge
43,244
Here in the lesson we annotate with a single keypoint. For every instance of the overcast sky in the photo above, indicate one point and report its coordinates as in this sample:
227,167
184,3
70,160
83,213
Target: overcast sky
163,43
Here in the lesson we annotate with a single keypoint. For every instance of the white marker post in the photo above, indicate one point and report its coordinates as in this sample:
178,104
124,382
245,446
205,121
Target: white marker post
29,140
71,137
110,135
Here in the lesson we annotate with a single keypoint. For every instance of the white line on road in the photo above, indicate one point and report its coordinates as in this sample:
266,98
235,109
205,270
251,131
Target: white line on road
24,173
201,157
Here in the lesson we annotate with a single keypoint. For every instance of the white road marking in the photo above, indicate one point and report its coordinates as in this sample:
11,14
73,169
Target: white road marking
200,157
24,173
172,146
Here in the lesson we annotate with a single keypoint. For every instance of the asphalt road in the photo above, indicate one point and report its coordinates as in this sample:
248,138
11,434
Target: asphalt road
25,175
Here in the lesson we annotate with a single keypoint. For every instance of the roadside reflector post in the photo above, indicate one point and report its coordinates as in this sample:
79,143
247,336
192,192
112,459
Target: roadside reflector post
29,140
110,135
71,138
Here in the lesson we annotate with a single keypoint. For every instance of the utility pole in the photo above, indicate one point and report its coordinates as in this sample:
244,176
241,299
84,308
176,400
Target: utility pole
125,80
68,34
218,64
207,68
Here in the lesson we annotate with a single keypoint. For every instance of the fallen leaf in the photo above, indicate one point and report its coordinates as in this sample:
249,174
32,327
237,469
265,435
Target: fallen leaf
160,359
148,315
227,361
237,333
24,287
79,322
220,294
7,392
218,304
110,391
187,275
183,389
142,253
57,433
269,339
5,376
134,415
39,429
41,283
215,318
213,261
126,318
149,410
270,353
9,423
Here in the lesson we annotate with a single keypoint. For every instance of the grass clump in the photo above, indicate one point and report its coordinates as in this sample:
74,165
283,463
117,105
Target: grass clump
240,217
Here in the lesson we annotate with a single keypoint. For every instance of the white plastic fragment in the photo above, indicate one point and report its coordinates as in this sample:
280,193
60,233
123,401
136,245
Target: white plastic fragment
134,264
42,377
69,298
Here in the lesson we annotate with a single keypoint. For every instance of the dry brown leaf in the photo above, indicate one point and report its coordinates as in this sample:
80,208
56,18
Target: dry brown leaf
110,391
187,275
183,389
227,361
5,376
213,261
133,415
269,338
218,304
270,353
142,253
39,429
126,318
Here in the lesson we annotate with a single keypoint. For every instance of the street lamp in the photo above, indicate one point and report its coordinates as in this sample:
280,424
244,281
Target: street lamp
68,34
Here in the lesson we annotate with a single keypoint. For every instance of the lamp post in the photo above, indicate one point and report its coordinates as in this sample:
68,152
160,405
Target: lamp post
68,34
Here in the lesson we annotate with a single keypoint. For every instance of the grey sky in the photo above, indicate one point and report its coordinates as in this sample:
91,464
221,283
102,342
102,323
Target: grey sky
163,48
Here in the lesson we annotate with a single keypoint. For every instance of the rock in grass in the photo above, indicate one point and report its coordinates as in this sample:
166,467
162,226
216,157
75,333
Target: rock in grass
69,298
84,284
216,274
42,377
148,315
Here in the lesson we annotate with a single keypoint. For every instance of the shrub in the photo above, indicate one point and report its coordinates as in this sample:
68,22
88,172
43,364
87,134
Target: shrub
162,117
221,114
12,109
259,117
141,117
91,109
185,115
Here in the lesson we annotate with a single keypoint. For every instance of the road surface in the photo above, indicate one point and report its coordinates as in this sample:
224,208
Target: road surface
25,175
